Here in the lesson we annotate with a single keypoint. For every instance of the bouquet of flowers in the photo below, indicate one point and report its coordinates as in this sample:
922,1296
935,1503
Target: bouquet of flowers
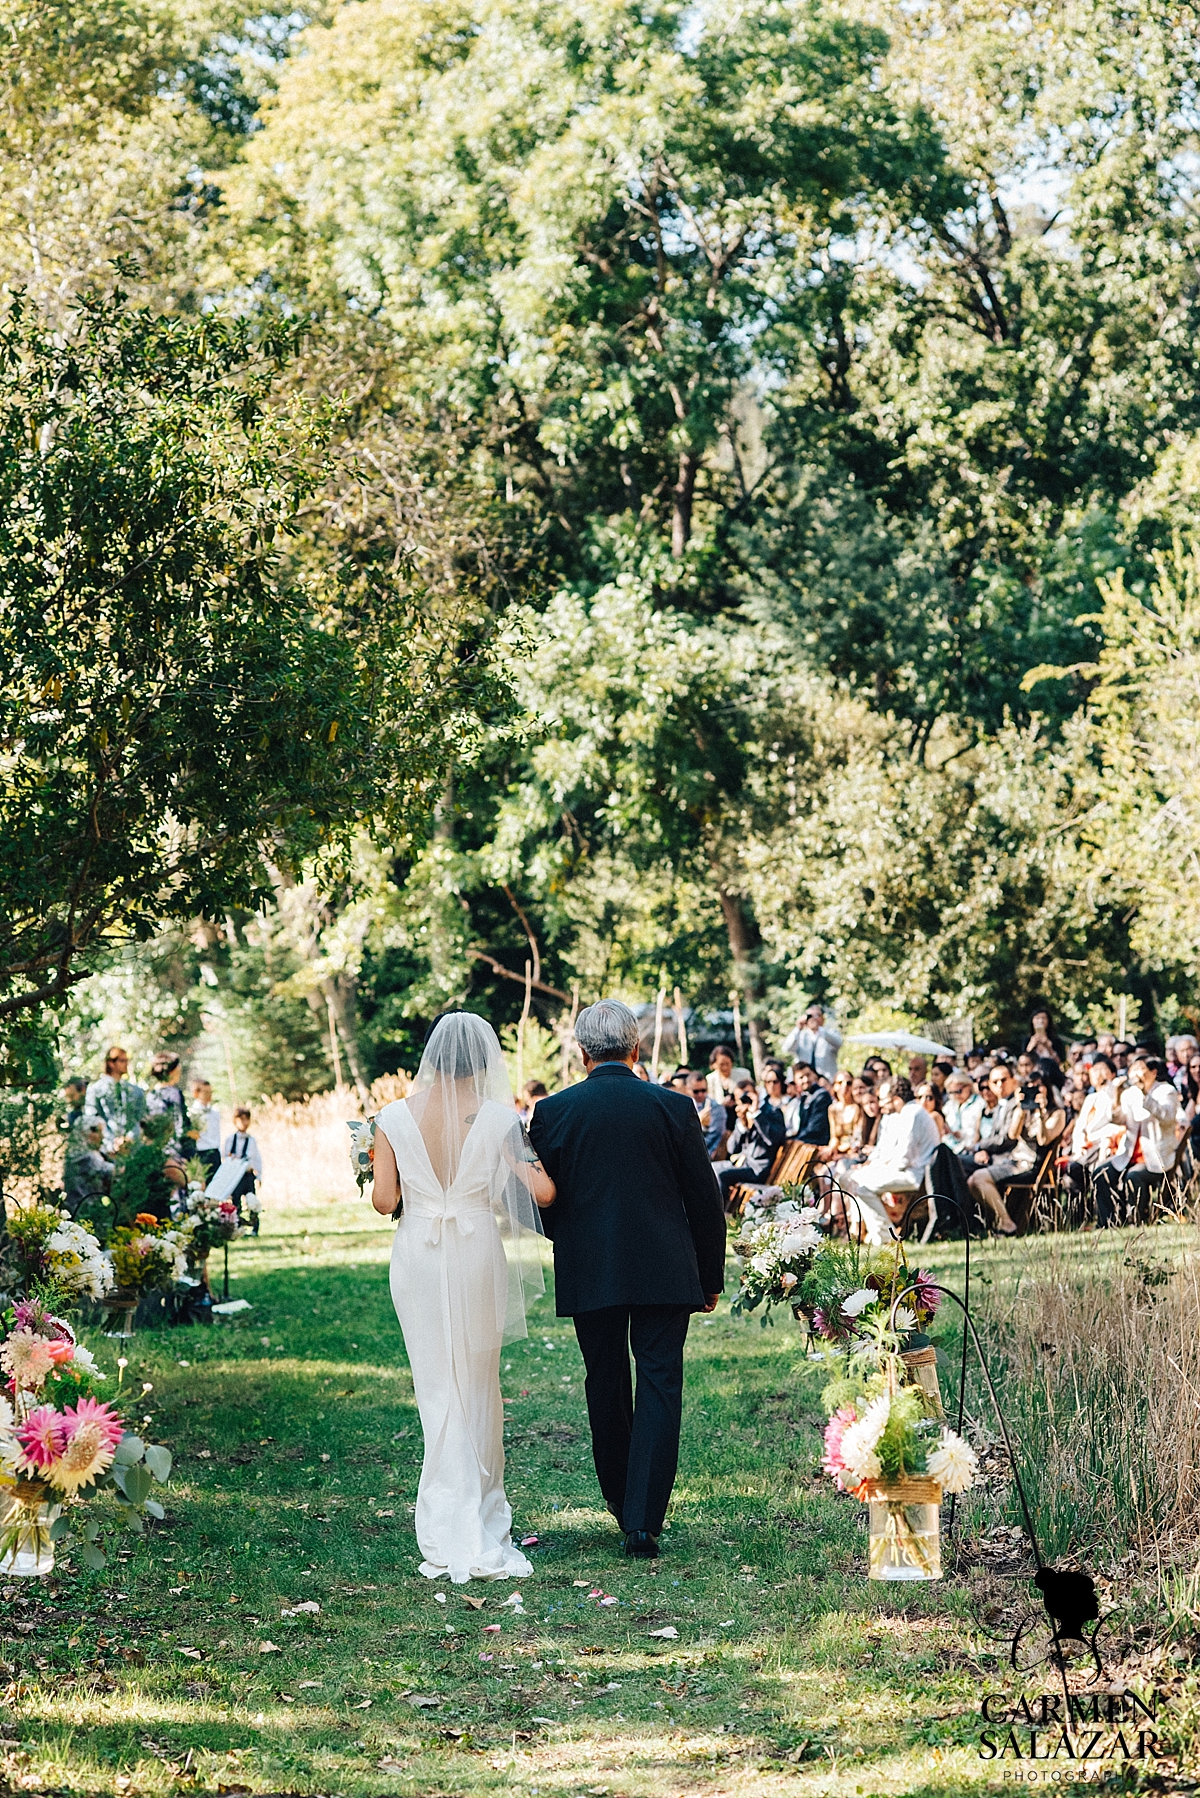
847,1296
60,1446
58,1258
879,1433
148,1255
777,1256
203,1222
362,1150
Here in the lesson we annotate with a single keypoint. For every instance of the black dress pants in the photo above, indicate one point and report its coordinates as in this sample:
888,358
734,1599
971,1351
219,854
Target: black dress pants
635,1445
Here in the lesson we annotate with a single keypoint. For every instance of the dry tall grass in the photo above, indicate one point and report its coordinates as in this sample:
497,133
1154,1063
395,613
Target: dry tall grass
306,1147
1098,1355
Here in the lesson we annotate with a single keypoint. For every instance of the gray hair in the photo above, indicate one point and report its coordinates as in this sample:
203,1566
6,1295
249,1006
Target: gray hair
607,1031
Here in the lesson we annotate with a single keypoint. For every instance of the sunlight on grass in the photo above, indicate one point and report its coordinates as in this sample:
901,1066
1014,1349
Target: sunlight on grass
789,1672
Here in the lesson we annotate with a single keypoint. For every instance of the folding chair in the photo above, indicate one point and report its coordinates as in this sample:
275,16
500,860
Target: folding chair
791,1166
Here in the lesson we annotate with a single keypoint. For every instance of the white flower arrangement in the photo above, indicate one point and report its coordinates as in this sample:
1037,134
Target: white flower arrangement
777,1255
75,1260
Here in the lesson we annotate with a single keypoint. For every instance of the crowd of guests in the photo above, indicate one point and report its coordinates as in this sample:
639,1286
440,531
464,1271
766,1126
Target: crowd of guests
106,1119
1101,1125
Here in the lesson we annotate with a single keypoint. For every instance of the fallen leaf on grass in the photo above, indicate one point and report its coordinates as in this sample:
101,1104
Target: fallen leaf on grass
385,1513
422,1703
364,1704
389,1764
193,1654
543,1719
669,1634
269,1648
309,1605
581,1582
287,1698
309,1685
476,1604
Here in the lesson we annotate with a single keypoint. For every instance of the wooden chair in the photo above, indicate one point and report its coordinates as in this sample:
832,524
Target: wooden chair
791,1166
1034,1206
1172,1195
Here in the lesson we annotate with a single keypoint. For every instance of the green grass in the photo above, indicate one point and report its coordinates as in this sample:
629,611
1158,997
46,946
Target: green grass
790,1672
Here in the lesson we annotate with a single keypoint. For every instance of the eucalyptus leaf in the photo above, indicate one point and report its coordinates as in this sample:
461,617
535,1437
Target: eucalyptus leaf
91,1556
158,1460
130,1448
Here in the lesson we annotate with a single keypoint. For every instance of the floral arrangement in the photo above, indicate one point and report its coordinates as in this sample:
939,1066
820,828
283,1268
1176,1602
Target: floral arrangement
882,1434
60,1445
203,1222
847,1298
777,1256
362,1150
59,1259
148,1254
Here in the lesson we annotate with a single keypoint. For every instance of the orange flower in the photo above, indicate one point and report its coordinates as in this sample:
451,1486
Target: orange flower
146,1220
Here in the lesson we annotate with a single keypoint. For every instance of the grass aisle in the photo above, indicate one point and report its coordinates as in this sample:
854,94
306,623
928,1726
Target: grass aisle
297,1453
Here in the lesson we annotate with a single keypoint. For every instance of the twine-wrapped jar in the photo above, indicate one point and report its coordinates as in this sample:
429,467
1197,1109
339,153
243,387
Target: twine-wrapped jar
905,1524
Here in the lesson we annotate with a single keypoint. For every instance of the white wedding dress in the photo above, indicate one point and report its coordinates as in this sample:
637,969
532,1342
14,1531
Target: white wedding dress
461,1266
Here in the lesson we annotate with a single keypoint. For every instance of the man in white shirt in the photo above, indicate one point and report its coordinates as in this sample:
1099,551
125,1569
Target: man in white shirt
815,1042
1150,1110
903,1150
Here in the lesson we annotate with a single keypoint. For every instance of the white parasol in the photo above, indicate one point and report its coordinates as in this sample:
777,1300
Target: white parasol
900,1039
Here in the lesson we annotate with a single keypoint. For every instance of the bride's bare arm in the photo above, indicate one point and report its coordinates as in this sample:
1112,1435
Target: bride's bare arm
529,1169
385,1193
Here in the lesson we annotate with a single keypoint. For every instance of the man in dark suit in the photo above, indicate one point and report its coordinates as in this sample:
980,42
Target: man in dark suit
639,1244
808,1112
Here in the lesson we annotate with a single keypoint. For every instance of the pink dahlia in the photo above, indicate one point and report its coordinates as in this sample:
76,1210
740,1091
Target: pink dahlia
93,1411
41,1437
927,1295
835,1429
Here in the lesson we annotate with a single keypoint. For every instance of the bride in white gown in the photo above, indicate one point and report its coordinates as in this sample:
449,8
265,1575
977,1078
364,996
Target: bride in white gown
466,1258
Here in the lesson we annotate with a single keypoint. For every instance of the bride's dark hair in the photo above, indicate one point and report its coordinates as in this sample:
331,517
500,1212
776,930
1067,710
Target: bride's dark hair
460,1051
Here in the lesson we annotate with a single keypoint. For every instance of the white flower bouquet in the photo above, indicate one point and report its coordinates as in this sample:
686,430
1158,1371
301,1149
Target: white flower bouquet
362,1150
776,1257
883,1435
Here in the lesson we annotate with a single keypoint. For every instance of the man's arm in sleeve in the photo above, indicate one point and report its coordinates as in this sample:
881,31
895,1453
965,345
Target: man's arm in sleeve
702,1203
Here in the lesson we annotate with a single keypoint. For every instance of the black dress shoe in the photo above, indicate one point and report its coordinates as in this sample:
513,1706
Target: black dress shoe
641,1545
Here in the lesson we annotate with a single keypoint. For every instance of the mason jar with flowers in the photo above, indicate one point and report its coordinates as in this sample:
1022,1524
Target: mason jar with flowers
146,1256
61,1446
58,1260
883,1448
203,1223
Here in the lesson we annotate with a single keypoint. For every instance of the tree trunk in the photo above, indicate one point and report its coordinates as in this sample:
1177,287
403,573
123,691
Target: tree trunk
341,997
743,946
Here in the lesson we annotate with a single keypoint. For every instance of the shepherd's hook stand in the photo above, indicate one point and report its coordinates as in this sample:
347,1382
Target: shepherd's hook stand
1070,1598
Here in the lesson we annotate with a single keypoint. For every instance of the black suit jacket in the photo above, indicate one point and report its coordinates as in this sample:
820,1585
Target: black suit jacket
811,1118
638,1219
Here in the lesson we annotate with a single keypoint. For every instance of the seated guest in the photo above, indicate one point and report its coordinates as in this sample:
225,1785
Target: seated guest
1189,1091
930,1096
711,1115
973,1063
774,1085
999,1128
903,1150
962,1109
845,1115
1097,1128
1044,1044
939,1073
878,1068
757,1135
1038,1121
1150,1112
918,1071
807,1115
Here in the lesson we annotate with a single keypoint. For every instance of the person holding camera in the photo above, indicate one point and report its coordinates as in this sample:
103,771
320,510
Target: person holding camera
757,1134
1031,1118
